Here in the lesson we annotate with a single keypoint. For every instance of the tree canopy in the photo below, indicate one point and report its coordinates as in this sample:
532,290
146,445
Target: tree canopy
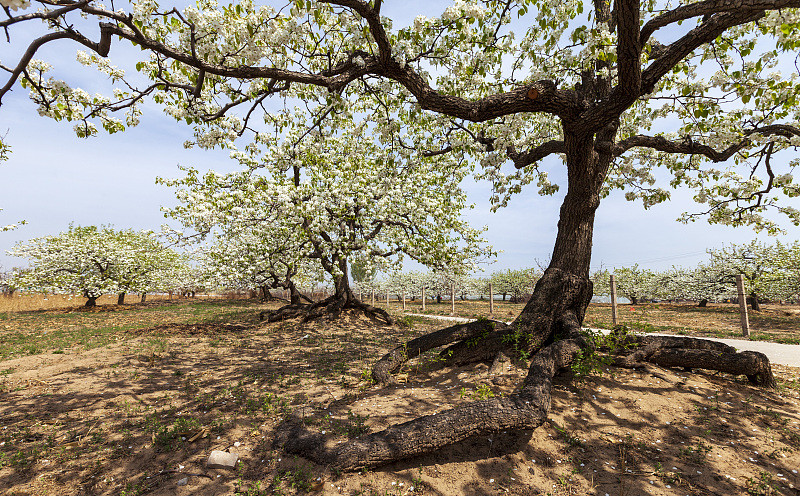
94,261
680,87
332,198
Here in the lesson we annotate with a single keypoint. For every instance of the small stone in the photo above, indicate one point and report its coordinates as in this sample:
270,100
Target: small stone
222,459
183,481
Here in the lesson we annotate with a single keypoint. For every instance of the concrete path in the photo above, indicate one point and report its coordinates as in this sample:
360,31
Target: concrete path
784,354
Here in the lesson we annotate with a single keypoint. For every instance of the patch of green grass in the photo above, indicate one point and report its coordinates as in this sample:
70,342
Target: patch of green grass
774,338
298,479
170,437
763,485
36,332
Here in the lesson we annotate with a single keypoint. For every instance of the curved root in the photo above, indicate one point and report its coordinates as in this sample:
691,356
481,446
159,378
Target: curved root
527,409
392,361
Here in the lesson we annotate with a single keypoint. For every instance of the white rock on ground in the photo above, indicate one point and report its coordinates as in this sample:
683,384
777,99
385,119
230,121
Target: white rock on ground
222,459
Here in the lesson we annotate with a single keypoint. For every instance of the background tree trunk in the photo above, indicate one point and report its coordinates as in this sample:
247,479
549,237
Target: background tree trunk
754,303
121,299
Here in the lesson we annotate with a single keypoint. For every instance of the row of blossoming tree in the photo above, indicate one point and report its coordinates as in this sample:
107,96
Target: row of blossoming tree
94,261
771,272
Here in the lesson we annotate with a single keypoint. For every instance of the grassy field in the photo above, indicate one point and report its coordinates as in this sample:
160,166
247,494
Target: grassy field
131,400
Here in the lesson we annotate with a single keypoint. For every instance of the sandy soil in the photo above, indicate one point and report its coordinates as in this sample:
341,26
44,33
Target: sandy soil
137,417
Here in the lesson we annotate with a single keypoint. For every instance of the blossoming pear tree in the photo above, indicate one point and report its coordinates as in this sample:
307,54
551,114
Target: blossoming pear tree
330,198
760,264
637,284
94,261
623,92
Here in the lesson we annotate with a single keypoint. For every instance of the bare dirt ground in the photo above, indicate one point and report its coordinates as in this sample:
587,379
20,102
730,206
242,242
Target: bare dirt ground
134,410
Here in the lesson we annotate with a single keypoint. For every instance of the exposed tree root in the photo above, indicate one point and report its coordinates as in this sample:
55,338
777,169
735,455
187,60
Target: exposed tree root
526,409
549,331
331,307
392,361
693,353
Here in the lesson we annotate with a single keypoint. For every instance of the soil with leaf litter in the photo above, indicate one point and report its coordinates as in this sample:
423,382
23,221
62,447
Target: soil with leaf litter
141,415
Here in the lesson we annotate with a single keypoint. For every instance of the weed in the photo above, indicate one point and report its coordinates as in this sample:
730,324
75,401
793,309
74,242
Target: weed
589,361
761,486
169,438
255,489
572,440
366,375
695,454
298,479
482,392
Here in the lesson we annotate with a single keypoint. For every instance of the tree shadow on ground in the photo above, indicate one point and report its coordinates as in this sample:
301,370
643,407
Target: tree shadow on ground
153,411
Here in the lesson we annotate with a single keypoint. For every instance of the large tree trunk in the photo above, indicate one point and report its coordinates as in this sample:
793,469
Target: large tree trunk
91,301
121,299
556,308
754,303
548,331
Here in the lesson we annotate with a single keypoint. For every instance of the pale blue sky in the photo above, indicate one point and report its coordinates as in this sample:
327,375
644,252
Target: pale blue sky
54,178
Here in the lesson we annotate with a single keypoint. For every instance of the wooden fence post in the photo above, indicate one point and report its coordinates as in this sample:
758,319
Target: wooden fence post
452,298
423,298
491,300
613,284
743,306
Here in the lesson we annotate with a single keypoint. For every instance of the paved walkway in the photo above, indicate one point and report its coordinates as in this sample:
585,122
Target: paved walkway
784,354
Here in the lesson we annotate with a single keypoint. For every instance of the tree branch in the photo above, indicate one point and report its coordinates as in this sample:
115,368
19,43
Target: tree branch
536,153
708,7
687,146
101,48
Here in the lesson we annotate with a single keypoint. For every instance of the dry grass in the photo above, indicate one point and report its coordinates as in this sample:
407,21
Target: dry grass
33,302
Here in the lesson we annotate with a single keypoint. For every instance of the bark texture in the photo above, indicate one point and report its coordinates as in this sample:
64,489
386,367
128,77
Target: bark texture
527,409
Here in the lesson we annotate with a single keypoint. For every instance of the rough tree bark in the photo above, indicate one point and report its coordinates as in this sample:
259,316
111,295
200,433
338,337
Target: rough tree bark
121,299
